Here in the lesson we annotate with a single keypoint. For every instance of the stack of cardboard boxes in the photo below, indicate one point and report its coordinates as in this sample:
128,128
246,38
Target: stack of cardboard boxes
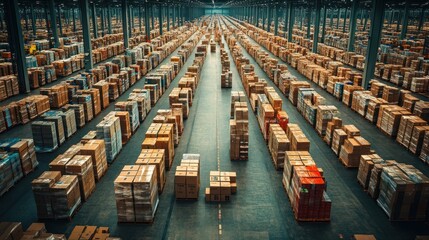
278,143
136,193
160,136
154,157
222,186
239,130
187,177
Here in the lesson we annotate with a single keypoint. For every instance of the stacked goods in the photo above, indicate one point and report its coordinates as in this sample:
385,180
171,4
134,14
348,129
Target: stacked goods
86,101
222,186
142,97
109,129
239,132
352,150
305,187
160,136
97,150
360,101
274,99
34,231
366,165
58,95
187,177
421,109
154,157
282,119
81,166
96,100
65,122
389,118
226,79
173,116
10,171
236,96
407,127
332,125
424,155
79,112
56,196
11,230
294,88
44,136
348,93
285,80
25,150
133,111
417,139
325,114
375,177
374,108
103,88
136,193
278,143
338,138
298,140
404,193
8,86
377,88
265,115
391,94
90,233
177,96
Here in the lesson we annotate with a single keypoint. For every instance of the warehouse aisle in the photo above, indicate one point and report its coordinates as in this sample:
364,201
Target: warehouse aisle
385,146
353,211
101,208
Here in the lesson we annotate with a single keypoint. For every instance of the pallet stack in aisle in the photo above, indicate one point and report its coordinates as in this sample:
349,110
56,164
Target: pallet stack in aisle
306,187
278,144
136,193
142,97
239,128
109,129
222,186
154,157
226,76
187,177
57,196
160,136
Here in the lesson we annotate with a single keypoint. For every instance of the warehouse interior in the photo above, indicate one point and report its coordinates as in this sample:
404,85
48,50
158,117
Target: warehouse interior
170,119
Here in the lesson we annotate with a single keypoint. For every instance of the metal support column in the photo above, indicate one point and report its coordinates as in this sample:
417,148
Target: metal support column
263,19
338,17
377,16
345,20
84,9
398,21
291,21
365,22
269,18
160,19
308,22
352,30
301,18
405,20
16,42
74,20
60,25
422,19
102,22
94,21
331,20
257,16
54,23
285,25
33,19
152,14
26,19
109,19
174,17
168,17
130,21
276,19
125,22
317,25
322,40
146,22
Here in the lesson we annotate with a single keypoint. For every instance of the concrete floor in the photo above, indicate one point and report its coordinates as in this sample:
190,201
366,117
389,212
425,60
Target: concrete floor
259,210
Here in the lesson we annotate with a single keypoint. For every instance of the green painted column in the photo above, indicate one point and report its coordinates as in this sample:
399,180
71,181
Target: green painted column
130,20
331,22
286,16
168,17
60,24
257,16
338,17
405,20
269,18
125,30
146,22
102,22
352,30
152,15
160,19
33,19
377,17
308,22
94,21
109,19
345,20
84,9
291,21
365,22
263,19
422,19
322,40
54,23
301,16
16,42
276,20
26,19
316,26
398,22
